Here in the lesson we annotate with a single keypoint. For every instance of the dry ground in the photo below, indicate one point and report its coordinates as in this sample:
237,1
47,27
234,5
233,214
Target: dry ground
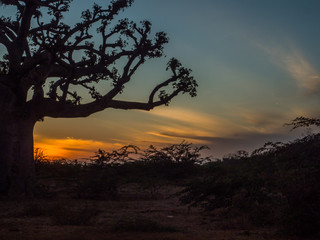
136,214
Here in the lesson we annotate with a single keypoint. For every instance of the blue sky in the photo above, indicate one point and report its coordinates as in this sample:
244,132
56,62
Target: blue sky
257,64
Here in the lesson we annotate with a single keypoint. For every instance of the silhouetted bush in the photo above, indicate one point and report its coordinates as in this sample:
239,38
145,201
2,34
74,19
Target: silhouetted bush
279,184
105,172
173,162
120,156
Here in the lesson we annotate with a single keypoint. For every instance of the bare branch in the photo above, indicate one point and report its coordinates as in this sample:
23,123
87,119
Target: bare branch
4,40
8,28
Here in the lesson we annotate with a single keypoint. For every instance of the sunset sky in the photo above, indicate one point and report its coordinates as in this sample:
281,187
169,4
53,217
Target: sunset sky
257,64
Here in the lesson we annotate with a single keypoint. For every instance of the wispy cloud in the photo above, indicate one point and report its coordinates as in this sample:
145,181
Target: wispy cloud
293,61
262,122
181,123
300,69
221,146
201,128
194,138
184,115
183,119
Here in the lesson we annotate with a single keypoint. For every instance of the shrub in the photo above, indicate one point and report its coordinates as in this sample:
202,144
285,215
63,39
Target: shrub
278,184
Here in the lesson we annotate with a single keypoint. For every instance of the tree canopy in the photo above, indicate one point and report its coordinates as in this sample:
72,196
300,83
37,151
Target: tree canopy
42,57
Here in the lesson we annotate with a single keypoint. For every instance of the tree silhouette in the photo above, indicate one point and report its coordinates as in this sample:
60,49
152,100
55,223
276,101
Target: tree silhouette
303,122
41,73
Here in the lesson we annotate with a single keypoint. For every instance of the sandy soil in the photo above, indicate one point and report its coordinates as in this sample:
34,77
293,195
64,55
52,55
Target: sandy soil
33,219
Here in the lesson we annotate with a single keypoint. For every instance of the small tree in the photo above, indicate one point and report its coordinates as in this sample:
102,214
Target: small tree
41,75
183,152
303,122
119,156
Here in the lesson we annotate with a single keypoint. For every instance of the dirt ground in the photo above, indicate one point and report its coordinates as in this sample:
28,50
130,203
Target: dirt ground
135,214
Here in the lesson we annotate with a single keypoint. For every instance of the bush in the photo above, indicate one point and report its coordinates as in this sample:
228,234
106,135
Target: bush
279,184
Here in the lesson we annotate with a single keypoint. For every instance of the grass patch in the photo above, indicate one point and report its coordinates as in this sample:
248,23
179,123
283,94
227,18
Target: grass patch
68,215
35,210
141,225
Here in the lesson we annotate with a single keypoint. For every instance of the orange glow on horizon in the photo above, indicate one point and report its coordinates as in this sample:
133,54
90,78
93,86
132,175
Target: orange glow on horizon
71,148
170,126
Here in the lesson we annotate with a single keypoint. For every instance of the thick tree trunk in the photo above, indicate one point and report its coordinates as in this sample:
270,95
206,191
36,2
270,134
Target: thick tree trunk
17,171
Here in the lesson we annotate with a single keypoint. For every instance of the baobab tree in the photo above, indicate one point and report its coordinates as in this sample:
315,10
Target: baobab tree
47,63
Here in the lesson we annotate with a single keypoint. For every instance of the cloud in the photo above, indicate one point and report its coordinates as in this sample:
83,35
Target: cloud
184,115
198,128
221,146
243,129
197,139
182,120
177,124
262,122
300,69
292,60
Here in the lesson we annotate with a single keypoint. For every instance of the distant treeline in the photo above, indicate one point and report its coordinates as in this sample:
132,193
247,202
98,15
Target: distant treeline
278,185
